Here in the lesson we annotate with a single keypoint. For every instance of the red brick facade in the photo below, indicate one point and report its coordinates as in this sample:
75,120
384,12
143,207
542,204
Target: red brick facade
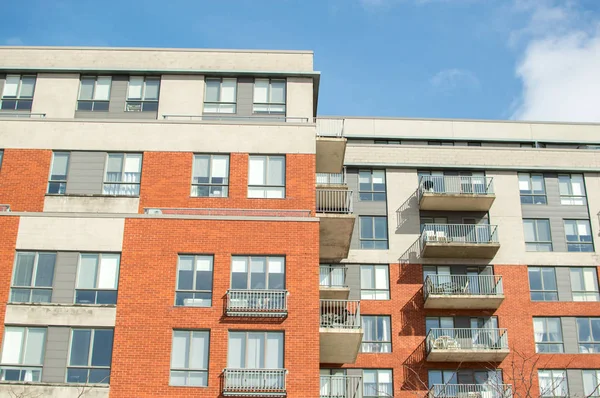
23,178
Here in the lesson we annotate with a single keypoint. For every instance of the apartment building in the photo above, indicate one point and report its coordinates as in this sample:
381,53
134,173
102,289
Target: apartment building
180,223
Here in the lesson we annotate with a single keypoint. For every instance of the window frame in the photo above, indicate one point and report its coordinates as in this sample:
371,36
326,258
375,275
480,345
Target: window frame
27,100
585,293
569,199
269,98
595,344
267,271
62,183
377,346
194,292
265,348
374,240
266,187
219,102
136,186
579,243
538,243
372,269
364,195
544,291
21,366
595,373
560,344
32,288
533,195
89,366
142,102
379,393
552,371
96,289
188,355
224,186
93,101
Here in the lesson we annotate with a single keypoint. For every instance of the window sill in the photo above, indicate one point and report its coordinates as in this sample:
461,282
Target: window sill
93,195
209,197
63,305
176,386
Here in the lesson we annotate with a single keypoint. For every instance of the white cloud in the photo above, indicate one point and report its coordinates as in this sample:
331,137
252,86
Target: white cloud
448,80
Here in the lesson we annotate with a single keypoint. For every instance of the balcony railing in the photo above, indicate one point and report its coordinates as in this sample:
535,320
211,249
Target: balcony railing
334,201
254,382
332,178
464,339
341,386
491,390
459,233
330,127
340,314
257,303
332,276
463,285
456,185
238,118
23,115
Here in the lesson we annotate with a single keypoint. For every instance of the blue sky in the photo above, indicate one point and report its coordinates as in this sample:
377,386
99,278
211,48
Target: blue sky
484,59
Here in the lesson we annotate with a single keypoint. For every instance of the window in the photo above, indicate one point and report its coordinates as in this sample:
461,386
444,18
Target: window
266,177
374,282
439,322
553,383
387,142
255,350
532,188
588,332
220,95
18,93
210,176
123,174
548,335
58,173
23,353
572,189
473,143
142,94
1,156
90,356
194,281
258,273
584,284
579,236
32,277
269,96
537,235
373,232
441,378
377,383
377,335
97,279
542,284
591,383
440,143
189,358
371,185
94,93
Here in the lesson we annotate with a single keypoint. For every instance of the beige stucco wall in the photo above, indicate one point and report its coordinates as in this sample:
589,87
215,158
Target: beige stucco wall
85,204
56,95
67,233
51,391
61,315
181,95
299,97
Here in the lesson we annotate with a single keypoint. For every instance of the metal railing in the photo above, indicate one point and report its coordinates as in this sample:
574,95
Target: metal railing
257,302
245,382
488,390
334,201
330,127
456,185
340,314
466,339
238,118
223,212
463,285
332,178
332,276
23,115
459,233
341,386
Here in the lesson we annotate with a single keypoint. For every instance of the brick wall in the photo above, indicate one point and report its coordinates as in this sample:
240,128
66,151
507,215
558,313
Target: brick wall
9,226
23,178
146,315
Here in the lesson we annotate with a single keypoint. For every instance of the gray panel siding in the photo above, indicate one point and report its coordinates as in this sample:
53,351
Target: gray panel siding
563,284
245,96
86,173
575,380
569,329
64,277
57,349
353,281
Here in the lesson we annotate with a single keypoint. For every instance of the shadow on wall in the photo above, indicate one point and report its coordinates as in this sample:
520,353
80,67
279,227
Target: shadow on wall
412,255
414,370
409,208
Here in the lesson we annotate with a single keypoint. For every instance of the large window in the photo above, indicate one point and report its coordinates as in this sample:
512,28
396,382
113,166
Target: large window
57,183
584,284
377,383
23,353
194,281
579,236
374,282
255,350
123,174
189,358
266,177
553,383
542,284
532,189
588,333
591,383
377,335
90,356
97,278
373,232
18,93
32,277
548,335
572,189
258,273
269,96
94,93
537,235
371,185
220,95
210,176
142,94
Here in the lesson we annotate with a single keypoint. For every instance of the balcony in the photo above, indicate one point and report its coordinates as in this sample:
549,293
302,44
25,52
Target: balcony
456,193
334,208
491,390
466,345
331,145
340,331
463,291
257,303
332,282
341,386
337,180
254,382
459,241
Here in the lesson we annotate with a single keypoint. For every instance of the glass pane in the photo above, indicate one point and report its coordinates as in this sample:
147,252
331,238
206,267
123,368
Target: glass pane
529,229
80,347
201,166
256,173
549,278
199,351
20,295
543,228
219,168
60,163
381,277
85,296
100,376
151,92
198,379
88,267
276,171
261,88
77,375
228,88
576,279
274,350
204,273
239,273
577,185
180,349
258,273
134,90
27,86
278,91
212,90
115,163
178,378
45,270
12,345
595,325
535,279
34,350
109,271
366,277
366,227
380,227
24,269
133,165
11,86
538,184
185,273
103,88
236,349
86,90
108,297
103,345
